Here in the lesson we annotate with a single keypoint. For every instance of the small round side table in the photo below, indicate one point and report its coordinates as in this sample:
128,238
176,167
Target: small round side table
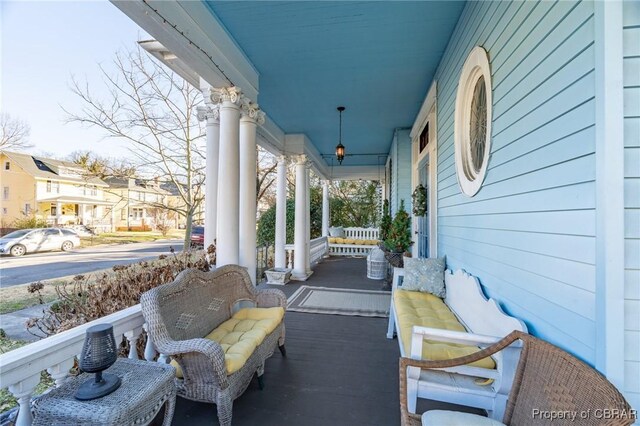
146,387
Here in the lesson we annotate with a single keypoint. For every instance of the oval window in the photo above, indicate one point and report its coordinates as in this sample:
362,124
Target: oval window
473,122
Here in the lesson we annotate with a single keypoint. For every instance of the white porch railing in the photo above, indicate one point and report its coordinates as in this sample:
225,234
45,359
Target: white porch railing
362,233
318,248
20,368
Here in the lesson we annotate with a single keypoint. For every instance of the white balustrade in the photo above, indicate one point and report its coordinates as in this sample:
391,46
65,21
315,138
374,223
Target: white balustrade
60,372
132,337
149,350
318,248
21,367
22,391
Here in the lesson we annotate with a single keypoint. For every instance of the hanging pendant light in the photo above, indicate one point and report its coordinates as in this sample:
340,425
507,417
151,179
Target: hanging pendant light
340,148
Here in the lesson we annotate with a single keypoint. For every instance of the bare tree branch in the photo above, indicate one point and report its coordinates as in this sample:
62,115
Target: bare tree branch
15,133
154,111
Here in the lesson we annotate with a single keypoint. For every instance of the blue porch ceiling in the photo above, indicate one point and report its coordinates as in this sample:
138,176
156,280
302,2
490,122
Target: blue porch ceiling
375,58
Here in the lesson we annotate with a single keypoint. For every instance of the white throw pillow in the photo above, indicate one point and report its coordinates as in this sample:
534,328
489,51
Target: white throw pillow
424,274
336,231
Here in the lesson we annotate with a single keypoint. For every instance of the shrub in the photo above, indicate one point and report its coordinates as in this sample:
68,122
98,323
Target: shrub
27,222
86,298
385,222
399,237
267,222
163,228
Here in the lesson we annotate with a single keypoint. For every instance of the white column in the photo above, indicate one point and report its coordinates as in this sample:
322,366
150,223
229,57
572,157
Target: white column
281,214
211,113
301,242
227,250
325,208
82,214
307,207
250,118
58,213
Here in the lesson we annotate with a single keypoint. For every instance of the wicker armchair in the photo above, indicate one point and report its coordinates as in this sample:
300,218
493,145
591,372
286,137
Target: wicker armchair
548,379
180,313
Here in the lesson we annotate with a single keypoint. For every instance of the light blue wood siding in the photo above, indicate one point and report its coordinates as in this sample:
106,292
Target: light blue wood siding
401,164
631,64
529,234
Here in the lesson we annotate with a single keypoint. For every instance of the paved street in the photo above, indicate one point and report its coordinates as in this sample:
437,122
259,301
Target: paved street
42,266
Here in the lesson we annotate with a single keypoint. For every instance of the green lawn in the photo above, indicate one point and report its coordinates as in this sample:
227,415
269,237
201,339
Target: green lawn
129,237
18,297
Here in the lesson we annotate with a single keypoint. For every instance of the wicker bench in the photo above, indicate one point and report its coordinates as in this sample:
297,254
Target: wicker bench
482,385
198,304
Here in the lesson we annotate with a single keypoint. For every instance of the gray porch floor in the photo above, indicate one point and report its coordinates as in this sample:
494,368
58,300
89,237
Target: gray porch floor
339,370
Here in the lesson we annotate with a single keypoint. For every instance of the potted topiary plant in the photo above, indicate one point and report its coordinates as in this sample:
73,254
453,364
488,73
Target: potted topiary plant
385,223
398,239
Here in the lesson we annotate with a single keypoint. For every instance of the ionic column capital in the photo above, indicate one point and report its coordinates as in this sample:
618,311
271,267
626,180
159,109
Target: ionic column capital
206,95
300,159
210,112
251,111
326,182
228,95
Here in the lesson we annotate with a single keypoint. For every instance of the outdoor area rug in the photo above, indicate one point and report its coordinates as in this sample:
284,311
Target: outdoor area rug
340,301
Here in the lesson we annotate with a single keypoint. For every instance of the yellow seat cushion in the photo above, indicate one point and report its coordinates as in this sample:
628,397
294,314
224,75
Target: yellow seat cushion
240,335
426,310
338,240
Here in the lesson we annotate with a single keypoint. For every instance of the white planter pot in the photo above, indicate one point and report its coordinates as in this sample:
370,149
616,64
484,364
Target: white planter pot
279,276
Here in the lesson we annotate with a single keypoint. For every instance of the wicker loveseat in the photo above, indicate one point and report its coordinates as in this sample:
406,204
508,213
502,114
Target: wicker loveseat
198,304
548,382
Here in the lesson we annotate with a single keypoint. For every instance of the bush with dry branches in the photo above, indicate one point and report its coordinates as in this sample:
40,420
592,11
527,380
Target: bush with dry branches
86,298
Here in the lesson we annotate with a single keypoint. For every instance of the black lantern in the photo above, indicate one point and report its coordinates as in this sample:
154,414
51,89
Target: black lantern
340,147
99,352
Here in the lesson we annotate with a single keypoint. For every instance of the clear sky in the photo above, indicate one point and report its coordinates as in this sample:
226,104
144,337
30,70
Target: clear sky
42,45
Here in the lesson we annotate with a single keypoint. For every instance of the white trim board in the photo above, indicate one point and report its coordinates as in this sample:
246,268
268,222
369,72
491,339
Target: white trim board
609,192
428,113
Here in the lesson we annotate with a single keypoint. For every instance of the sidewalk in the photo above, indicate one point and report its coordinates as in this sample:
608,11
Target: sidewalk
14,323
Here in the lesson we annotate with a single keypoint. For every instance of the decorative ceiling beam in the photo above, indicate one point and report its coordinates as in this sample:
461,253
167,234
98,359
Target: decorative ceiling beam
301,144
358,172
170,60
192,33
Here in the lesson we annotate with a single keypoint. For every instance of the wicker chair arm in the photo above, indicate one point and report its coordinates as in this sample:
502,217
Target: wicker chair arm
210,349
271,297
206,347
454,362
410,419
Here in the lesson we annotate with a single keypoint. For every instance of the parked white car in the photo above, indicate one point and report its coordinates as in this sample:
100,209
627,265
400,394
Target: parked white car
24,241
